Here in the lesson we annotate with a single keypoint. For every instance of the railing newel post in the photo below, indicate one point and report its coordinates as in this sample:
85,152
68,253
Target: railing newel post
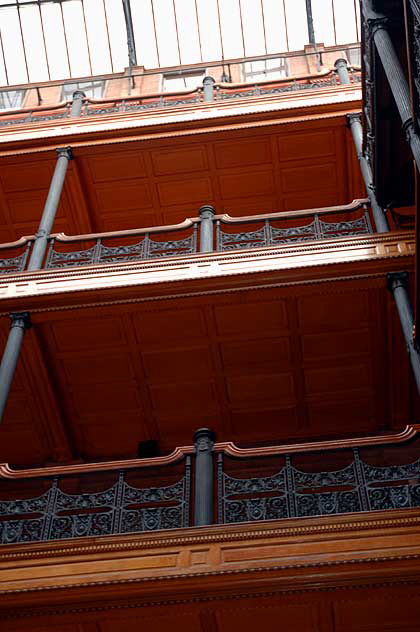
207,213
208,88
203,509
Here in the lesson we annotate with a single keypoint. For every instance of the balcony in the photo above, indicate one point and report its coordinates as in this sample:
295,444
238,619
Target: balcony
211,483
147,91
207,233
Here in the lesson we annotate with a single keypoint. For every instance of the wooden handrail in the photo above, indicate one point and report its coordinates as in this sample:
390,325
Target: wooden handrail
228,448
189,223
226,218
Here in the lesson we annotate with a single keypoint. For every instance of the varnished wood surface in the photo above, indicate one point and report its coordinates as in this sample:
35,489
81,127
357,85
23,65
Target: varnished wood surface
209,566
261,355
228,448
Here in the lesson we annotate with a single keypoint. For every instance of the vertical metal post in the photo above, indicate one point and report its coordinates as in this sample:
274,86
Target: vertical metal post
398,84
203,510
397,280
50,209
207,213
397,283
208,88
342,71
131,45
20,322
76,106
310,22
355,124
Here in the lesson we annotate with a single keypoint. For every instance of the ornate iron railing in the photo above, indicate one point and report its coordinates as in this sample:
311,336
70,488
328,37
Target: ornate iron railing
253,484
294,493
221,91
149,243
119,508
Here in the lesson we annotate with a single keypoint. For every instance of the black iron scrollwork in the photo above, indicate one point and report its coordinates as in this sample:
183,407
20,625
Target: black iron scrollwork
121,508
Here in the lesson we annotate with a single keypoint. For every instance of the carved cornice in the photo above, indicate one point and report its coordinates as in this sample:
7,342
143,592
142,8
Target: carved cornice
297,264
333,102
207,563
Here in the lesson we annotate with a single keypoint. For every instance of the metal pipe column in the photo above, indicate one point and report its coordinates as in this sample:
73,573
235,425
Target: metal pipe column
203,511
398,84
50,208
20,323
76,106
208,88
356,129
207,213
342,71
396,281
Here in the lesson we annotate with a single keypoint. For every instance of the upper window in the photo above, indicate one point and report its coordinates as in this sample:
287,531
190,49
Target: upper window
11,99
92,89
174,82
353,56
263,69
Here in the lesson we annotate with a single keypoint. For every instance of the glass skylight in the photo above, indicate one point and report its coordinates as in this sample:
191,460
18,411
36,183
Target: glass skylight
41,40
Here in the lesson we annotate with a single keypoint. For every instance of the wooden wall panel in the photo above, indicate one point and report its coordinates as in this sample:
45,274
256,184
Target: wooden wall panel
304,145
269,169
182,160
256,366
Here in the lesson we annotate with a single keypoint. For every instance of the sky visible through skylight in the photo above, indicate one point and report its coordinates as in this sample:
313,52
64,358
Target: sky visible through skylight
45,39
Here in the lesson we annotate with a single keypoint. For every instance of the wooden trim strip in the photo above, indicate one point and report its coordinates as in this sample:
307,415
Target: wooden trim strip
225,218
231,449
87,468
227,448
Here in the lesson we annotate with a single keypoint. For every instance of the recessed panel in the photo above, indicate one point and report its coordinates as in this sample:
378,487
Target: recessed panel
198,190
133,195
26,176
251,152
98,369
169,327
122,166
183,160
178,364
246,183
342,415
174,400
256,319
106,397
262,353
334,344
260,388
72,335
296,618
324,313
301,146
265,424
309,177
338,378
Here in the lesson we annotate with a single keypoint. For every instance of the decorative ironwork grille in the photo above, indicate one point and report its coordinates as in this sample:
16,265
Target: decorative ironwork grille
270,235
121,508
145,249
293,493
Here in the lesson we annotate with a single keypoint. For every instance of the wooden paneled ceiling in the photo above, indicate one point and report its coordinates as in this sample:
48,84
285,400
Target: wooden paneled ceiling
257,366
162,181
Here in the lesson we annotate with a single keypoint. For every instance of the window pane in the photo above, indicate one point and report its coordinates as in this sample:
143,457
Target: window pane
263,69
186,81
11,99
92,89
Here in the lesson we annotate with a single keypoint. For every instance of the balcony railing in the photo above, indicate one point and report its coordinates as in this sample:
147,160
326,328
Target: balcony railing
208,232
218,91
230,485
